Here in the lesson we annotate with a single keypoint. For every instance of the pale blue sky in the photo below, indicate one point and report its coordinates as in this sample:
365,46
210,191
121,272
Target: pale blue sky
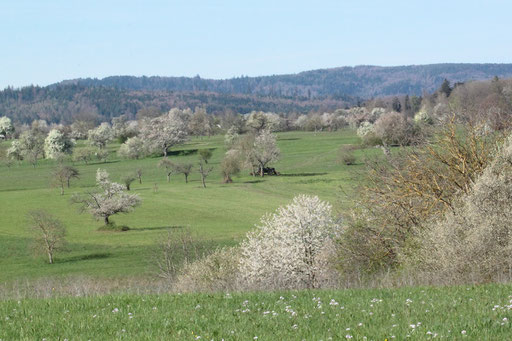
46,41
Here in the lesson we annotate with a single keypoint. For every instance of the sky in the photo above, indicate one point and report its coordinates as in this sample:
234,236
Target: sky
47,41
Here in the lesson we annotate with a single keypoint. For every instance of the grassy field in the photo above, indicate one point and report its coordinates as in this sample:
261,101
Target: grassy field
454,313
222,213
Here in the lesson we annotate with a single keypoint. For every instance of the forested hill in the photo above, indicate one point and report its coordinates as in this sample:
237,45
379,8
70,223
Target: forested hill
318,90
359,81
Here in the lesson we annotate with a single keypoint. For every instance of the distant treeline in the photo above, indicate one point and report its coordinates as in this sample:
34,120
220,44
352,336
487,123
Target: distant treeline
311,91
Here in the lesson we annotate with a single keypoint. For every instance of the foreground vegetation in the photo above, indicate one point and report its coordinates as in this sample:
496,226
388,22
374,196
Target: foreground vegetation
465,312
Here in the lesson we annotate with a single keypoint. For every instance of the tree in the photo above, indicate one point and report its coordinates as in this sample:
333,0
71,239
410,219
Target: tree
199,124
169,166
127,180
396,105
138,172
108,199
57,144
6,127
15,151
100,136
84,154
80,129
259,121
265,149
230,165
163,132
205,154
62,175
122,129
204,171
288,246
446,88
49,233
395,129
32,145
185,169
133,148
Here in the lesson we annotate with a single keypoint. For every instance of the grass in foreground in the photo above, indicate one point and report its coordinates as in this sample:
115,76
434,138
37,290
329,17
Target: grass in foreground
455,313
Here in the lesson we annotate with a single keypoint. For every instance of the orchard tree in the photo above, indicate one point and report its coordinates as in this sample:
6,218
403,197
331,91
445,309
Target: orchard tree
84,154
169,166
100,136
230,165
80,129
127,180
6,127
265,150
62,176
15,151
133,148
32,145
56,144
138,173
205,155
49,233
108,199
259,121
204,171
199,124
163,132
289,246
185,169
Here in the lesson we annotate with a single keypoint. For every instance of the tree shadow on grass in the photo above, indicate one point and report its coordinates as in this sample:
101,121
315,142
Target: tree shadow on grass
303,174
156,228
101,255
186,152
290,139
253,181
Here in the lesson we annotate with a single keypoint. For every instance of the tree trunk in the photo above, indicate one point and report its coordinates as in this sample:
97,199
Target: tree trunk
127,187
106,220
168,178
140,180
186,178
261,171
227,179
50,257
62,189
165,151
67,182
203,180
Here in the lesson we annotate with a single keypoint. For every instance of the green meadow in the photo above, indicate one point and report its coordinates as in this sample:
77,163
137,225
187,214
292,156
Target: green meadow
453,313
221,213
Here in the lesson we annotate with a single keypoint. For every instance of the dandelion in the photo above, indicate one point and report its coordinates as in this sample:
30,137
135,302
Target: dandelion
463,332
348,336
360,324
116,310
412,326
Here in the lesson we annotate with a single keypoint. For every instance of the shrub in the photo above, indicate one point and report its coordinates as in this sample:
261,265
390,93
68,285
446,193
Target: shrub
473,242
218,271
395,129
407,189
346,155
289,248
